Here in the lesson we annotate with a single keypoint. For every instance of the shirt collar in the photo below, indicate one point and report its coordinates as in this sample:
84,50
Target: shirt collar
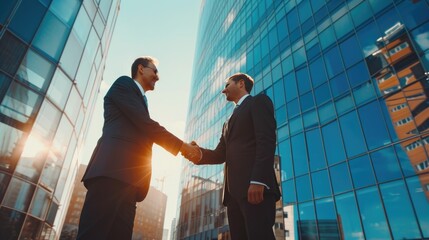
242,99
140,87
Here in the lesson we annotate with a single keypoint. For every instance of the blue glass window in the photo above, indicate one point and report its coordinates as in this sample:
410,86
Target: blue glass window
368,37
347,211
343,26
333,143
272,36
361,171
5,10
310,119
339,85
420,201
303,188
286,159
387,20
405,161
385,165
304,11
287,65
350,50
307,101
36,71
12,221
264,46
326,112
321,186
377,6
419,36
327,37
375,131
358,74
360,13
12,51
371,210
290,87
282,29
315,150
313,49
352,134
340,178
327,219
399,211
4,84
281,115
322,94
344,104
288,188
296,125
293,108
299,154
51,36
414,13
307,224
27,18
292,20
299,57
66,10
333,62
364,93
317,71
303,80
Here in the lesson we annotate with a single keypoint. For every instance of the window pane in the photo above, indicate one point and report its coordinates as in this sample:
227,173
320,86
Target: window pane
367,38
344,104
40,203
373,125
59,89
386,165
303,188
36,71
360,13
418,193
333,62
10,146
279,94
307,221
326,112
286,159
27,18
71,56
399,211
18,195
321,186
358,74
288,187
350,51
371,210
333,144
11,223
307,101
405,161
73,105
290,87
6,9
327,219
352,134
299,154
4,181
339,85
12,51
31,229
49,40
361,171
20,103
65,10
364,93
340,178
315,150
343,26
348,213
303,80
414,13
322,94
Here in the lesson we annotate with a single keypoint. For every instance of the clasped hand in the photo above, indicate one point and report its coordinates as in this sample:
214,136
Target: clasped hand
191,151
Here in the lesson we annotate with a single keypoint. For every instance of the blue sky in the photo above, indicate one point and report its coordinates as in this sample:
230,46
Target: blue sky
166,30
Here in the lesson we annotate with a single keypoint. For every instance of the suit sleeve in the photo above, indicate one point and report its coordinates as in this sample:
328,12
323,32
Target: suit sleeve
265,137
122,95
216,156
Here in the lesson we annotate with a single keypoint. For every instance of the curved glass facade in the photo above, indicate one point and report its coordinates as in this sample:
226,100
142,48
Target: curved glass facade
349,81
52,56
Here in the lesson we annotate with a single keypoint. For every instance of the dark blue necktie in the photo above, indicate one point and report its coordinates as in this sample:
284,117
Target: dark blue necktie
145,100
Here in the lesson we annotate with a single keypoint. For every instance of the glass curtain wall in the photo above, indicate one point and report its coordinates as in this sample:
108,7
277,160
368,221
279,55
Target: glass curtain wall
52,55
350,84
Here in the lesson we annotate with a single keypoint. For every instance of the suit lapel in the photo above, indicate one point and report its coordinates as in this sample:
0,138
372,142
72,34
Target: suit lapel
234,116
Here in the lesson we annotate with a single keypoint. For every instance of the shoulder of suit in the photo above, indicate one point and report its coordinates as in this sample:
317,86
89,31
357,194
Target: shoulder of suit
261,97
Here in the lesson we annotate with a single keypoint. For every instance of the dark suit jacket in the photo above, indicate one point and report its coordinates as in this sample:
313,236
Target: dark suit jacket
124,150
247,146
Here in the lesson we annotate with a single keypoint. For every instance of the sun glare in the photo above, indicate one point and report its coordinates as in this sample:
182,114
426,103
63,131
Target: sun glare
34,146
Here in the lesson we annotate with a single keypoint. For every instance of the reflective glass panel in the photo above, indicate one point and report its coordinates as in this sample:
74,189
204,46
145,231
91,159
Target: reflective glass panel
321,185
286,159
385,164
322,94
333,62
358,74
414,13
350,51
326,112
333,144
12,51
49,41
349,215
73,105
405,161
372,215
290,87
36,71
31,228
27,18
65,10
418,188
72,54
352,134
327,220
303,80
340,178
361,171
315,150
10,146
303,188
307,221
367,38
5,10
375,131
11,223
299,154
40,203
279,94
59,89
399,211
4,181
20,103
339,85
288,188
18,195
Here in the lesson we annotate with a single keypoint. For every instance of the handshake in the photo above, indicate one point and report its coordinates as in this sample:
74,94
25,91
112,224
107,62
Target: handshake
191,151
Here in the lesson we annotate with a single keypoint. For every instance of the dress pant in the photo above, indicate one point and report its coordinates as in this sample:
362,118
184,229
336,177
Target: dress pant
108,211
252,222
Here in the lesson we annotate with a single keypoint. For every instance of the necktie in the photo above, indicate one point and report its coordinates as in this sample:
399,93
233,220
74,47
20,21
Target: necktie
145,100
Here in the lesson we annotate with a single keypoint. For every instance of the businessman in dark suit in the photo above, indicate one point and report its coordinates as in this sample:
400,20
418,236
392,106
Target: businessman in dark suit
247,147
119,172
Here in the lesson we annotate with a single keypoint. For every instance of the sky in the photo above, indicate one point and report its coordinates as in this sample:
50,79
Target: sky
166,30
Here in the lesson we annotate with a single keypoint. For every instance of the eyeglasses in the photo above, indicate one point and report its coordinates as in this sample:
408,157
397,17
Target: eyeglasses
154,69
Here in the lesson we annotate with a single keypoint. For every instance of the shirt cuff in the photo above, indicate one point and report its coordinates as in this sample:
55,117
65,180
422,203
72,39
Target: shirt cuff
259,183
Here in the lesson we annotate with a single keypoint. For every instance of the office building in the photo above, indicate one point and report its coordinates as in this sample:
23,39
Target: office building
52,57
349,82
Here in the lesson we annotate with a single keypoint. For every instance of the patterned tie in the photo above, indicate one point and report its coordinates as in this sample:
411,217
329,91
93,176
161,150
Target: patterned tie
145,100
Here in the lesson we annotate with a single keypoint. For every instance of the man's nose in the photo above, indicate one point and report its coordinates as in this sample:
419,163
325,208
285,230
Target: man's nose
224,90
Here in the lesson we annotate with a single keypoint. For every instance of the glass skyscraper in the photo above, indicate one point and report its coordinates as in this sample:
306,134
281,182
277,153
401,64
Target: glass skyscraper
350,83
52,56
